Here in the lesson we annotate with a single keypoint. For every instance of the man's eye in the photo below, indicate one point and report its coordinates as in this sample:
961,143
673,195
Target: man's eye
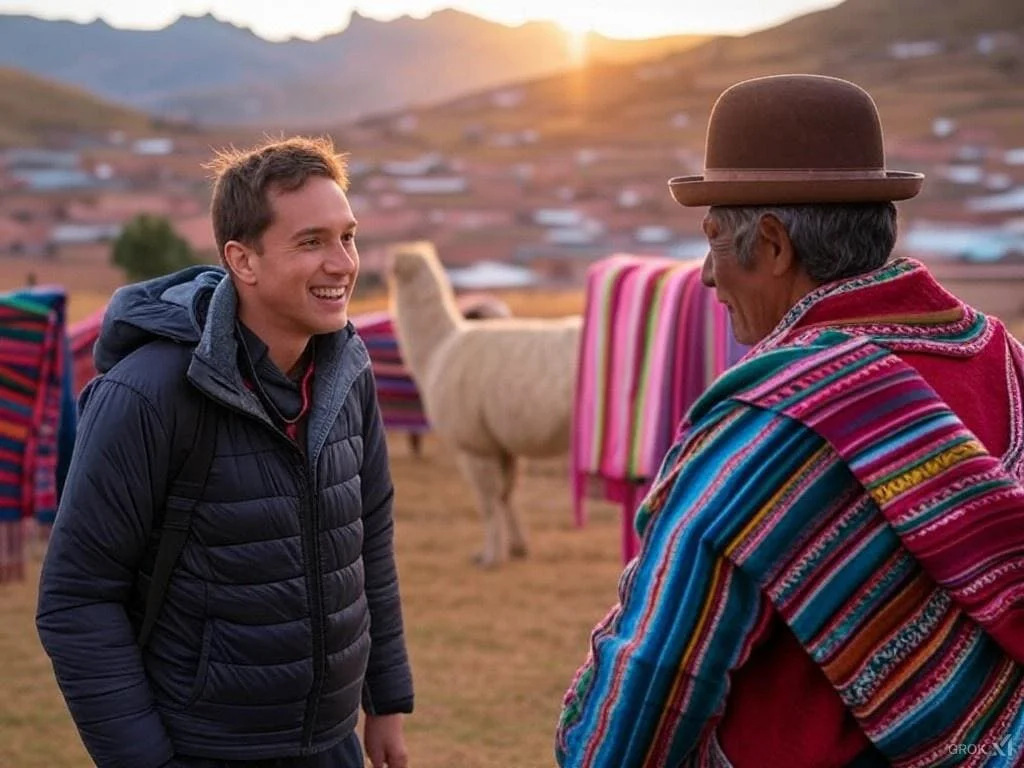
349,237
310,243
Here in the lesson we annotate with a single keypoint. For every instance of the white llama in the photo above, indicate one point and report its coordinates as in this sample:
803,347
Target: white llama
494,391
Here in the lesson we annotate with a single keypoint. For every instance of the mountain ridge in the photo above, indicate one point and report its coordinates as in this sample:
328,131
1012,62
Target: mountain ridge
199,68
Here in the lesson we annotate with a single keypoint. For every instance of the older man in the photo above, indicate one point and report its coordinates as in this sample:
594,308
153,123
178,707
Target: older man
830,572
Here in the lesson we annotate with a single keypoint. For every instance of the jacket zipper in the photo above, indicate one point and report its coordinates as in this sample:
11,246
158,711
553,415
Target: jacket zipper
309,525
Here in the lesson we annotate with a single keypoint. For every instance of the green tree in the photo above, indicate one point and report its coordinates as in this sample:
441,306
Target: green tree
149,247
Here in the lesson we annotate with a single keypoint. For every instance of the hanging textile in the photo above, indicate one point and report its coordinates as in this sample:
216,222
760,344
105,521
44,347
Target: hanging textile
37,419
654,337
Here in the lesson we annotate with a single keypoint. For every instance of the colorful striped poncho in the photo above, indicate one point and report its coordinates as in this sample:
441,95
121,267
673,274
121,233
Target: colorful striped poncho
653,339
37,415
822,482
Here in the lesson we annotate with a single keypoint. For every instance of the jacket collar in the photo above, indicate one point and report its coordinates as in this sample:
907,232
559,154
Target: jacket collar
340,359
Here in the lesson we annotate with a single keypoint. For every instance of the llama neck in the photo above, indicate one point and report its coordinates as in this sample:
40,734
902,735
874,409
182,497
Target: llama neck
425,316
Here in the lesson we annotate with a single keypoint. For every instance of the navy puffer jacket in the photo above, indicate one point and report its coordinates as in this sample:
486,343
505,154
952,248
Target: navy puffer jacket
283,613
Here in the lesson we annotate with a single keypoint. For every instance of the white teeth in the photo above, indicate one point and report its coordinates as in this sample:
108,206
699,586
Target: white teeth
329,293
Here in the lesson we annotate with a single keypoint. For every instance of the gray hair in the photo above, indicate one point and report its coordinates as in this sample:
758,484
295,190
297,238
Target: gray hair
831,241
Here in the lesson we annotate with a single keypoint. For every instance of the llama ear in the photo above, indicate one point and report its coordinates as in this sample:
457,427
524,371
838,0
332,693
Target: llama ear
403,260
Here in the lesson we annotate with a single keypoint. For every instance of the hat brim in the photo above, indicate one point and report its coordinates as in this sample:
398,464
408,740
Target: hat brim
695,191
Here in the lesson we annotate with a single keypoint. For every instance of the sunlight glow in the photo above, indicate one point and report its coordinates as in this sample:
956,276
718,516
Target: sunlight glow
577,26
577,40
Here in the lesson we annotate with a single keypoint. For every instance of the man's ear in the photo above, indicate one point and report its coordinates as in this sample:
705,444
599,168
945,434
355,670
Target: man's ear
238,259
774,239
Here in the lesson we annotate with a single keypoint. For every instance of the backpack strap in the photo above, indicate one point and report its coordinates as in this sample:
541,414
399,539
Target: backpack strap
190,481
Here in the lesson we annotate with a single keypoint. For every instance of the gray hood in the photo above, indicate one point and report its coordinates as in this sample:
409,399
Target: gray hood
172,307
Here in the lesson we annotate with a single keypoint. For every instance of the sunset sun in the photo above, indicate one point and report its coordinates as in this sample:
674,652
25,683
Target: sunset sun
576,26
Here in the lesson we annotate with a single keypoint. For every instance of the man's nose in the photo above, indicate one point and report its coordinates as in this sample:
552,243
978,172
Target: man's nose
339,260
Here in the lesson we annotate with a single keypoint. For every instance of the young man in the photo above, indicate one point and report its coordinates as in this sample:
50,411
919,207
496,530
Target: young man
281,613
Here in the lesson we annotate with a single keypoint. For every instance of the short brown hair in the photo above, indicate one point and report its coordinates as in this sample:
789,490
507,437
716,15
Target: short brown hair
242,178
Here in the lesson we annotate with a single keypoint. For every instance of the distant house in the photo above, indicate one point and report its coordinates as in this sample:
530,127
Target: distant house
988,43
917,49
629,198
586,233
46,170
420,166
433,185
471,220
84,234
1006,202
1014,156
970,153
30,158
54,179
492,275
689,249
963,174
652,234
558,217
153,147
972,243
943,127
998,182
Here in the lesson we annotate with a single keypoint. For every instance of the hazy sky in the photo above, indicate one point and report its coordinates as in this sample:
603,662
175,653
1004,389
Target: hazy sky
281,19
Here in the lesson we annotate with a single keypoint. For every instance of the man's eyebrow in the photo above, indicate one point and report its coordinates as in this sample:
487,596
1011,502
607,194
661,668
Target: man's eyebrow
321,230
308,231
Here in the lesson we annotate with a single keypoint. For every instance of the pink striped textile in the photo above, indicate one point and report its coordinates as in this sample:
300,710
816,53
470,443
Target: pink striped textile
654,338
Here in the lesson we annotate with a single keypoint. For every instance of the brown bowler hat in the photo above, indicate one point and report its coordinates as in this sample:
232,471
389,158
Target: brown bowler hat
792,139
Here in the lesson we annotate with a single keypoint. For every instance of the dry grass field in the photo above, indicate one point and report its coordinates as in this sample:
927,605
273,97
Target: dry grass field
492,652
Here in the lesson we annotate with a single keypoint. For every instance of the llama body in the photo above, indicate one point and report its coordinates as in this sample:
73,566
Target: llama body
494,392
507,388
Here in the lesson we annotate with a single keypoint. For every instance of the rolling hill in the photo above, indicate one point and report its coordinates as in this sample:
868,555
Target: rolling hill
33,109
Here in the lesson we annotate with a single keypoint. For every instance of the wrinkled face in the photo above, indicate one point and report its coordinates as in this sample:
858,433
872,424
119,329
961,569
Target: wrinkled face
301,281
756,296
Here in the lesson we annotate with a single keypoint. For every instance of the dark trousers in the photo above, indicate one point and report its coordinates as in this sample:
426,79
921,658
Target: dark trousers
348,753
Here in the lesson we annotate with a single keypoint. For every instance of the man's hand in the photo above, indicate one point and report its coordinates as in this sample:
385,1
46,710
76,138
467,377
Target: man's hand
384,742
